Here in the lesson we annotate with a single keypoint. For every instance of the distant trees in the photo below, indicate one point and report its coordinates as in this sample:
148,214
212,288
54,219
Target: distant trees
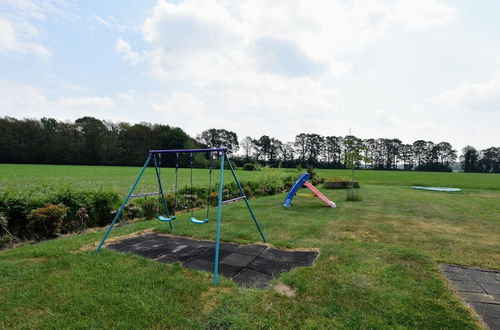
310,149
219,138
89,140
86,141
485,161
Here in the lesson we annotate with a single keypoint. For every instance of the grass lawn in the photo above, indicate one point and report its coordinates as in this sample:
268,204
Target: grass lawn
377,268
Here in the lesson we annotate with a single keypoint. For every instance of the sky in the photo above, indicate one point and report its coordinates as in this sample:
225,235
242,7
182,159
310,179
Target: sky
407,69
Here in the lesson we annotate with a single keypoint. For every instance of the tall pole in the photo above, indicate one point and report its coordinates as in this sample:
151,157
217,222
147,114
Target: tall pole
119,213
219,212
246,200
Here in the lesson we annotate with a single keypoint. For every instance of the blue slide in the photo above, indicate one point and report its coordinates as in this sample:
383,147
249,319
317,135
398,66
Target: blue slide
296,186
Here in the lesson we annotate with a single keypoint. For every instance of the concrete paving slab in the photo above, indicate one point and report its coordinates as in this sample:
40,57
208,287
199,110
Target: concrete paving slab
468,286
253,266
491,288
487,302
479,298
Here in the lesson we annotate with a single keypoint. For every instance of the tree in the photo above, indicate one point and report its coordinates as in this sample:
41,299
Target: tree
489,161
263,145
333,151
287,152
301,146
93,131
419,148
274,149
219,138
469,159
247,145
314,146
446,153
406,155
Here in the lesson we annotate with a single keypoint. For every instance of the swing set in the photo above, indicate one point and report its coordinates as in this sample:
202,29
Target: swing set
169,217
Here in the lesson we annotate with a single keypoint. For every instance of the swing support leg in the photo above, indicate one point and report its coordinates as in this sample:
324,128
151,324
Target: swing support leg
219,211
119,213
246,200
161,190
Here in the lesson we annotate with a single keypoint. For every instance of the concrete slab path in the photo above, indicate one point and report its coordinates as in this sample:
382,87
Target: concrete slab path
480,288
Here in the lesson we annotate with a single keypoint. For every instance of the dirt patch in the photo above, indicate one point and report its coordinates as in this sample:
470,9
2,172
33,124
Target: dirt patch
285,290
209,298
110,240
358,235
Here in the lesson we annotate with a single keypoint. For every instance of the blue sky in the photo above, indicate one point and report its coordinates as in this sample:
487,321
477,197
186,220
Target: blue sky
427,69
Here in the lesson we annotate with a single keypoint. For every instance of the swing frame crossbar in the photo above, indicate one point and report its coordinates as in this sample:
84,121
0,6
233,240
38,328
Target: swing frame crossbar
223,158
145,194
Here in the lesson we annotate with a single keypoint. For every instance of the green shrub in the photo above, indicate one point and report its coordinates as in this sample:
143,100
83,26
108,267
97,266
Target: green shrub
46,222
249,167
99,206
102,205
353,195
16,208
150,208
7,241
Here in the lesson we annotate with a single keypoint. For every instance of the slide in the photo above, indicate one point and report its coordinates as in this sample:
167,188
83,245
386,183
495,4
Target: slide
303,181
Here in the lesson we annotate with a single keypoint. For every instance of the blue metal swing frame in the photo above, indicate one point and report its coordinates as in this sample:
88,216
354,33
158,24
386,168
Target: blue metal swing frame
223,158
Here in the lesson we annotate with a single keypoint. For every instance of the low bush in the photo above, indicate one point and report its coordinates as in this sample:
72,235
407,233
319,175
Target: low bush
69,210
353,195
46,222
249,167
150,207
337,179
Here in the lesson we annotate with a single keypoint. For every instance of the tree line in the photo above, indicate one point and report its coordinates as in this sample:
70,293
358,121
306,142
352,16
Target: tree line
86,141
482,161
90,141
331,151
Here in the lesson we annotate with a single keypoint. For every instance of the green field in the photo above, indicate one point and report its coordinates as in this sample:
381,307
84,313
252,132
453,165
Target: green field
378,265
39,179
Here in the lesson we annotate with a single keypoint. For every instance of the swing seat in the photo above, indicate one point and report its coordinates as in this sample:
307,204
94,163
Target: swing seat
199,222
166,219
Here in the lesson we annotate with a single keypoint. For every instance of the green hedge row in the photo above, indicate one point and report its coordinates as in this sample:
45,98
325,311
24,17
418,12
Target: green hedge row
68,210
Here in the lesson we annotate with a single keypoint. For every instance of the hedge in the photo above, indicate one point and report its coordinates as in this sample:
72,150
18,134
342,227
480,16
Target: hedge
70,210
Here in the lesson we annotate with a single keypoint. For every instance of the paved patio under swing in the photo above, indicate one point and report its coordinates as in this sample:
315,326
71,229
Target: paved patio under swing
252,266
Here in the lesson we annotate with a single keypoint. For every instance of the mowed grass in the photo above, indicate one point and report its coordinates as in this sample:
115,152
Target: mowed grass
41,179
378,266
489,181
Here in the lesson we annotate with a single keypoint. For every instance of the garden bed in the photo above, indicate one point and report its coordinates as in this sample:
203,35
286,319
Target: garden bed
340,184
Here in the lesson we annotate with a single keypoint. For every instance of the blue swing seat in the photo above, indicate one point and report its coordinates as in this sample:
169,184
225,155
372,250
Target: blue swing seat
166,219
194,220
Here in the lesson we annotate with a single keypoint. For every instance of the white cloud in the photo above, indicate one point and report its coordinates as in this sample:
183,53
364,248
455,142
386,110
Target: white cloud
88,102
111,22
24,100
15,96
423,14
259,62
128,96
472,96
180,103
16,39
128,55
